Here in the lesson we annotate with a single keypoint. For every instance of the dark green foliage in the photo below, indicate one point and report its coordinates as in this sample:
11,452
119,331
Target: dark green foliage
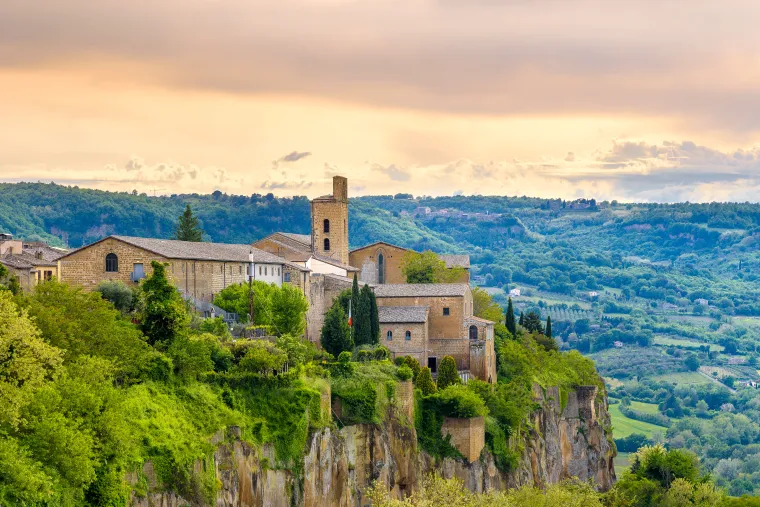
336,335
425,382
691,362
354,307
117,293
522,319
510,319
413,364
188,227
9,281
366,393
374,318
362,319
164,315
632,442
548,332
447,373
532,323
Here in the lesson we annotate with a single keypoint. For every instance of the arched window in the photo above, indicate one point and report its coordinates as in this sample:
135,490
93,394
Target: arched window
408,335
473,332
380,268
327,244
389,335
112,263
326,225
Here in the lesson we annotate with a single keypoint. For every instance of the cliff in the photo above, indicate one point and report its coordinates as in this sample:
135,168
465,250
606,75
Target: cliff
566,438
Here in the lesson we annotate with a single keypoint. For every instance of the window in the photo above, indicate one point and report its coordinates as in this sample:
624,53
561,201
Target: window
112,263
327,244
380,268
473,332
278,271
408,335
266,271
446,311
432,365
240,270
48,275
287,277
389,335
259,270
326,225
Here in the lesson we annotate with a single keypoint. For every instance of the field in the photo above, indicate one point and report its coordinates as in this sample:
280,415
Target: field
666,341
682,378
622,462
624,426
647,408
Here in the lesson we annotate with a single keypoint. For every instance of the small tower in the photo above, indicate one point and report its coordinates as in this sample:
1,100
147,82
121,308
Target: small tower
329,222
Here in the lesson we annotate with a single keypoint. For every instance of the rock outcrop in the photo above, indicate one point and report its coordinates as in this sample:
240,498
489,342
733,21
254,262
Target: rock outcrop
565,439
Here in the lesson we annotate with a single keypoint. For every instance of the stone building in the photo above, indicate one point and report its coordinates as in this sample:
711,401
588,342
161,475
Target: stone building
200,270
329,222
381,262
30,263
451,329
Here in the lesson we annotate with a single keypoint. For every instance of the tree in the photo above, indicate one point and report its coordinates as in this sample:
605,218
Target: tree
413,365
374,317
9,281
548,327
354,306
188,227
447,373
510,319
427,267
288,310
336,335
532,322
164,316
262,357
522,319
117,293
691,362
484,306
425,382
362,319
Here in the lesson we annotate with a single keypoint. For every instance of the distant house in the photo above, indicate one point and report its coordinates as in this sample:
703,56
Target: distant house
593,294
514,292
618,344
701,302
669,306
422,210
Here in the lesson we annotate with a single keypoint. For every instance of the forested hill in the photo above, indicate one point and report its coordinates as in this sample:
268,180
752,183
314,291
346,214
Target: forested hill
655,250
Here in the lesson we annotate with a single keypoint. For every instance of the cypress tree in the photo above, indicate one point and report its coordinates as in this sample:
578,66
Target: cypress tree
336,335
188,227
425,382
549,326
447,373
522,319
510,321
362,319
374,318
415,366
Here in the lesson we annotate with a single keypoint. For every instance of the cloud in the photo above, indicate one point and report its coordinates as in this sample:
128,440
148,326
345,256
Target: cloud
286,185
294,156
485,57
393,172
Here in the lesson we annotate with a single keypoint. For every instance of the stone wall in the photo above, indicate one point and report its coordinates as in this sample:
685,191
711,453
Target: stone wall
467,435
416,347
337,213
458,349
366,259
440,326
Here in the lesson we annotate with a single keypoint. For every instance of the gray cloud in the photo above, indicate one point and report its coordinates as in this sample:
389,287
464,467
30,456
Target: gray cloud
294,156
665,58
286,185
393,172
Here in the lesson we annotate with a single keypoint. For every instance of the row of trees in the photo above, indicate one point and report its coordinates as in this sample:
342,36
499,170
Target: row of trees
341,333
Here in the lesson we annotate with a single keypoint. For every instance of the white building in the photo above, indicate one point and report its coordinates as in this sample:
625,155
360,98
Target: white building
514,292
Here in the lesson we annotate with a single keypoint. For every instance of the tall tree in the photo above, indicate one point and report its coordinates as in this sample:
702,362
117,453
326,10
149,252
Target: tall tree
336,335
289,307
532,322
522,319
363,319
510,321
447,373
425,382
374,317
354,306
548,332
188,227
164,316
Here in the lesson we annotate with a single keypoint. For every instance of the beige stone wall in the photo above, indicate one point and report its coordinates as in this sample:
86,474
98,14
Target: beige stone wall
459,349
467,435
202,279
337,213
11,246
416,347
366,260
440,326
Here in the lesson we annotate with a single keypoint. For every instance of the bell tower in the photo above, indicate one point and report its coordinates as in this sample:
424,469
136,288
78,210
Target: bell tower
329,222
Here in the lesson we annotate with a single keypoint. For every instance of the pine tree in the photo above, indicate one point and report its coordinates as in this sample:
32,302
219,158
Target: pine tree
336,335
188,227
548,332
425,382
374,317
532,322
447,373
510,321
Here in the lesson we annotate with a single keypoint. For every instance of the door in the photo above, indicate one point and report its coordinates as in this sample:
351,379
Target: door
432,364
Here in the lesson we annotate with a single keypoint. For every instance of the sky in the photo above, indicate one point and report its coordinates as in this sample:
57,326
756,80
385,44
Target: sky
635,100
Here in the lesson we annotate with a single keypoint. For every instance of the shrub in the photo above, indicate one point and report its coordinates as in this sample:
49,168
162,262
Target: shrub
425,382
413,364
458,401
117,293
447,373
404,373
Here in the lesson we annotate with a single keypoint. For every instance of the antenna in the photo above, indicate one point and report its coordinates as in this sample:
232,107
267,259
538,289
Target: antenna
157,190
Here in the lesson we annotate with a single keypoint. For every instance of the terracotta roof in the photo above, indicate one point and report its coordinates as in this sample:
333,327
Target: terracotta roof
455,261
402,314
174,249
421,290
25,261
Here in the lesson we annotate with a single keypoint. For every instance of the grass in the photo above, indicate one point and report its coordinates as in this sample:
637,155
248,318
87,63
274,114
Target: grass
647,408
682,378
622,462
666,341
613,382
624,426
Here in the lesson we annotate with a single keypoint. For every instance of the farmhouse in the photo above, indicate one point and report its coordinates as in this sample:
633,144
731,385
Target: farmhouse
30,263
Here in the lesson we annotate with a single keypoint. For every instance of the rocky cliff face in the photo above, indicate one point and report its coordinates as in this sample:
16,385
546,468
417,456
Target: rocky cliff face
565,440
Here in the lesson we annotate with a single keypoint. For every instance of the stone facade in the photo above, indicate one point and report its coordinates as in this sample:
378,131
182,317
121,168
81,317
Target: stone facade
329,222
382,262
323,290
440,326
467,435
416,346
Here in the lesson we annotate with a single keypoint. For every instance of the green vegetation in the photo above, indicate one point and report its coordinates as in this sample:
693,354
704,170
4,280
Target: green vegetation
447,373
623,426
283,309
188,227
427,267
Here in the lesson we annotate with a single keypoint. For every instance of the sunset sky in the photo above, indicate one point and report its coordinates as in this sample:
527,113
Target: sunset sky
645,100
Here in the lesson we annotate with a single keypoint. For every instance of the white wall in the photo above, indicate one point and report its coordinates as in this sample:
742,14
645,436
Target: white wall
268,273
319,267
